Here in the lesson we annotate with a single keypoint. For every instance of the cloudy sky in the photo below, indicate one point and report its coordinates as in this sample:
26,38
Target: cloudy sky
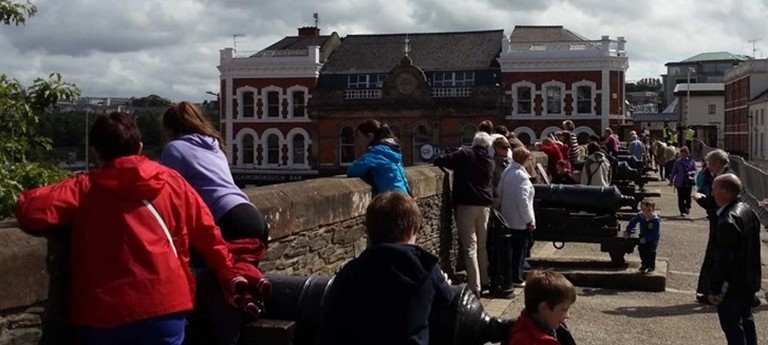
170,47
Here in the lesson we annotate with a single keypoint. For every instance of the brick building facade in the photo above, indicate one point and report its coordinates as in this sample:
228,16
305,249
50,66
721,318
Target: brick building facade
290,111
744,83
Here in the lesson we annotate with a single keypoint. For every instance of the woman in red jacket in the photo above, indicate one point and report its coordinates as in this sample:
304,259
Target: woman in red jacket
132,223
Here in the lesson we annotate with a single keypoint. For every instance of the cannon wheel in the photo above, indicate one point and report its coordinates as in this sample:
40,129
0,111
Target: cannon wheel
617,257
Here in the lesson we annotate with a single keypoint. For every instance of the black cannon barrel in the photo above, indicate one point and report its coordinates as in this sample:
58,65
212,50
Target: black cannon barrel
301,299
631,160
594,199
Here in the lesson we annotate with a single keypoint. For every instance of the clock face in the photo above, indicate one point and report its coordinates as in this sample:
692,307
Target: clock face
406,83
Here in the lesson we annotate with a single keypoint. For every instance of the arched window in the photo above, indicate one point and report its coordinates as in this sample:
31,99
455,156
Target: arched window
299,104
582,138
248,149
468,134
299,152
273,149
524,138
396,131
248,104
347,145
420,138
273,104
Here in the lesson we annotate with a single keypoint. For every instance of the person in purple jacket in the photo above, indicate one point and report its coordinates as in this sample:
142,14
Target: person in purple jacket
196,151
682,177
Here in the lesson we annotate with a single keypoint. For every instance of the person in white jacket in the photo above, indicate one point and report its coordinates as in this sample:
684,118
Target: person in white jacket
517,192
597,169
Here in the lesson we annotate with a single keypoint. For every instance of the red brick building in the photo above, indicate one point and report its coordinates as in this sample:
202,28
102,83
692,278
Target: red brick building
743,83
290,111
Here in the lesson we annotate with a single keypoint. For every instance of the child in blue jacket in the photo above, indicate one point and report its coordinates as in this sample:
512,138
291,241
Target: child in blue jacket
650,232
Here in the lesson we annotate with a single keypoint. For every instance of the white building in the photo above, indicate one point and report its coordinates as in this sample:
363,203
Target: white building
757,127
702,104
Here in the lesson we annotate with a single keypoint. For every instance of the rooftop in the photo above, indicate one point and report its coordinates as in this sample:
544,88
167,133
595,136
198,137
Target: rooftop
716,56
700,87
298,42
540,34
762,97
447,51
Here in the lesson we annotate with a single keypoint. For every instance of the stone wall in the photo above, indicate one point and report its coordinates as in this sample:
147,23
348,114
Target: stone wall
316,227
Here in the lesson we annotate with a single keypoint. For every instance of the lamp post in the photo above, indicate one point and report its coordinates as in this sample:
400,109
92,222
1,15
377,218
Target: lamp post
87,115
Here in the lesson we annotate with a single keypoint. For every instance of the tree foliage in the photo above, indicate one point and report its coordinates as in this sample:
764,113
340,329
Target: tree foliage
19,116
16,13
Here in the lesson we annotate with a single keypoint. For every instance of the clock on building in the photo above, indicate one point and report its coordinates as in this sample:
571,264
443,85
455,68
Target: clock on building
406,83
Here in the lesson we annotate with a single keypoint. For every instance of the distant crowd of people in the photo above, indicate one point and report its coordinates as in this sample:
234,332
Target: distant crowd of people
167,251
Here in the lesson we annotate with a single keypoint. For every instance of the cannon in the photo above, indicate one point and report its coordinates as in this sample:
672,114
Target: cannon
582,214
301,300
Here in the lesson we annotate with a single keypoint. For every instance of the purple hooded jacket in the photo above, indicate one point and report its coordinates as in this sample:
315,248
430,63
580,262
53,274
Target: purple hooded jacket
682,168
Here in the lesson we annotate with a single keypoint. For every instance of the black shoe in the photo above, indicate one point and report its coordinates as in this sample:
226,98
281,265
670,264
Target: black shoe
756,302
703,299
641,269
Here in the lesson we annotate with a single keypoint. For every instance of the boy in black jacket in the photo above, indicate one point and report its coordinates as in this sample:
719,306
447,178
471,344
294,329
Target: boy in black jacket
391,293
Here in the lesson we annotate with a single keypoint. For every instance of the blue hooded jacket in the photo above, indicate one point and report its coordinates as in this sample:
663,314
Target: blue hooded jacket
382,166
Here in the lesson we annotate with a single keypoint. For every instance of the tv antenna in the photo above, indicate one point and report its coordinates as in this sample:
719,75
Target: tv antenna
234,40
754,50
317,18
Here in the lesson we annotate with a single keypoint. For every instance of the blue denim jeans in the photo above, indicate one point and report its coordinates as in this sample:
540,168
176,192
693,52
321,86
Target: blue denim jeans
736,319
162,330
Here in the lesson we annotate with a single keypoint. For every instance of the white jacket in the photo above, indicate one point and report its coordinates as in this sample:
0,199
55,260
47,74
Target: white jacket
596,171
516,191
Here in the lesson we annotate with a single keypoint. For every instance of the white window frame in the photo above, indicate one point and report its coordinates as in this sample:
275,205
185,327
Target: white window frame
265,102
575,96
544,87
417,152
339,145
241,105
453,79
307,141
461,134
239,140
527,130
265,147
290,91
514,88
362,81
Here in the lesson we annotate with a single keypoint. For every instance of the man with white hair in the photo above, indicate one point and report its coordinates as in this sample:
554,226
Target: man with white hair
636,147
472,197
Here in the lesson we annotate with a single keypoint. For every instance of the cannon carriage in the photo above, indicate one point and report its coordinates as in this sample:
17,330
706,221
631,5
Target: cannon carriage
583,214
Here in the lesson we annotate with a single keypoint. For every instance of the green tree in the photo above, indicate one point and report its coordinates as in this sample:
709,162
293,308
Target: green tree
19,116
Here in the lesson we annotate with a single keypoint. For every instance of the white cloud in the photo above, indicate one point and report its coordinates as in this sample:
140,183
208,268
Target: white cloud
170,47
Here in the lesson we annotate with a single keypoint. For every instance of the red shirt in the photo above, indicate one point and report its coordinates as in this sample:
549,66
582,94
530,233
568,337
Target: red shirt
527,332
125,266
553,155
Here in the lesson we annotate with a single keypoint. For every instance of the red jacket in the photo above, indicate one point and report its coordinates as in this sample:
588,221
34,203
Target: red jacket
124,268
553,155
526,332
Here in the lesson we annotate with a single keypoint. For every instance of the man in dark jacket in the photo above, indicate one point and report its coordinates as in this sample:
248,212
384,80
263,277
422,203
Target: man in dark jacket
736,270
394,291
717,164
472,196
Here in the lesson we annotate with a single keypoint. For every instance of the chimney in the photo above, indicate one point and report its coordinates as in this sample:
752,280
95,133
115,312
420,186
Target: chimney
309,31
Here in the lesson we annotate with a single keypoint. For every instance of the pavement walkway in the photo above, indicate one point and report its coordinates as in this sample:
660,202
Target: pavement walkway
605,316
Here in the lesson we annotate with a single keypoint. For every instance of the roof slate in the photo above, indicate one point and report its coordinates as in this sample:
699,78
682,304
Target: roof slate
699,87
446,51
297,42
533,34
716,56
763,97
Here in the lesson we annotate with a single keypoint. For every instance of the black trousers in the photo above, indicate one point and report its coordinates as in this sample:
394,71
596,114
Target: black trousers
520,240
684,199
648,254
244,221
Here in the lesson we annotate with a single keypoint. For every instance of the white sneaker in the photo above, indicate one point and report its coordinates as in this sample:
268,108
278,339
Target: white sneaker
519,285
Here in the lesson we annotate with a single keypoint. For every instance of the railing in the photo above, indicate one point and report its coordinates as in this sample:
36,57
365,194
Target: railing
754,180
746,67
362,94
603,48
450,92
274,53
